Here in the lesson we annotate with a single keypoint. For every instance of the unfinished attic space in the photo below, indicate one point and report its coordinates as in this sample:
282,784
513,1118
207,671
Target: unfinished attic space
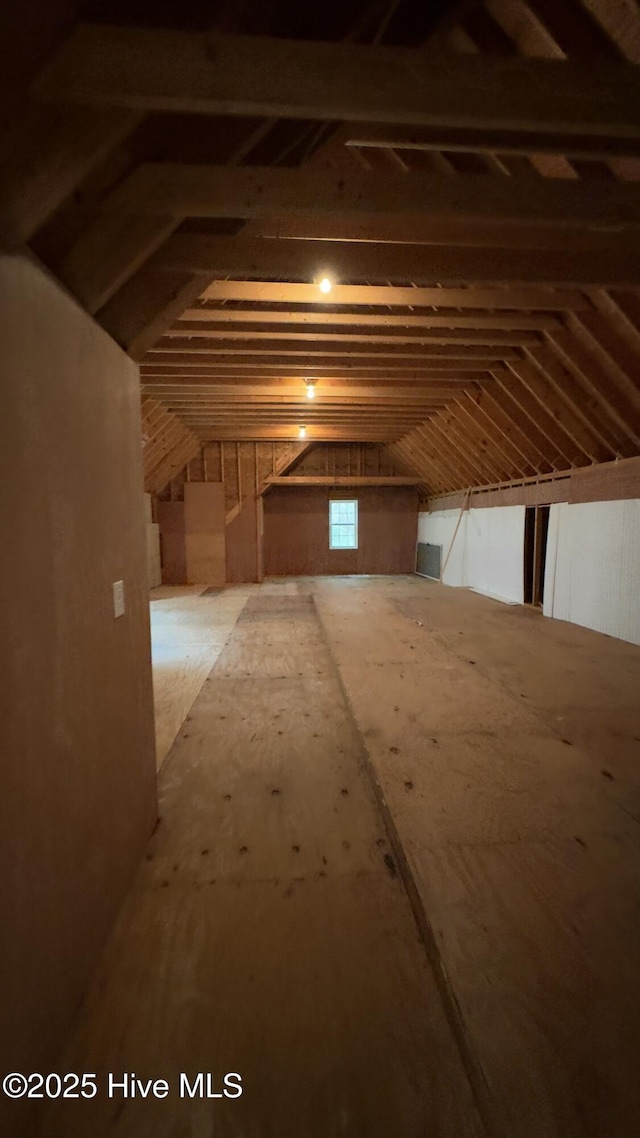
320,569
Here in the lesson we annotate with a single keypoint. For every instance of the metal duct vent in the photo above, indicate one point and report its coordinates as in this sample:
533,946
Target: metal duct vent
429,560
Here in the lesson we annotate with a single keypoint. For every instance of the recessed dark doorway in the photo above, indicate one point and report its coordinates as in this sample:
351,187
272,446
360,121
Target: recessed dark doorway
536,530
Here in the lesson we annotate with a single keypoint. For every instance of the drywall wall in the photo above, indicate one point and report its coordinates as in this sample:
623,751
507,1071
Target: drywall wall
592,574
78,763
593,566
296,531
204,526
487,553
494,552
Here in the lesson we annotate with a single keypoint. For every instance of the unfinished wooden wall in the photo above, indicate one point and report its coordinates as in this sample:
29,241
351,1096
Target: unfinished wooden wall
204,527
296,531
243,469
244,545
78,798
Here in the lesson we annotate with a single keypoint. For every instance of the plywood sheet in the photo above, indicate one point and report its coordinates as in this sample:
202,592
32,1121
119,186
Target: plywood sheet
205,558
523,842
154,569
267,934
242,540
593,566
188,632
204,520
78,796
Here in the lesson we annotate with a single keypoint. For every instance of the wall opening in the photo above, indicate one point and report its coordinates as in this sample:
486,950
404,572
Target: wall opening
536,532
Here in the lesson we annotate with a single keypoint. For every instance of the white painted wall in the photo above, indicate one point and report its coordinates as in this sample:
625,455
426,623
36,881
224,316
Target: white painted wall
593,566
487,553
494,552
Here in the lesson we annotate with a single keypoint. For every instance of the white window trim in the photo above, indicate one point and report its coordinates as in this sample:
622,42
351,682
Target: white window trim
353,501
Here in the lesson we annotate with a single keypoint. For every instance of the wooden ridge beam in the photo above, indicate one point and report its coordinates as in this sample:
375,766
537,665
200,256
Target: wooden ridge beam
265,259
204,73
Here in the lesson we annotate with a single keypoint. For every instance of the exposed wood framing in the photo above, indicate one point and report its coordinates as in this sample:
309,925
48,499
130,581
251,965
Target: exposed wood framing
473,196
348,261
158,70
168,445
343,480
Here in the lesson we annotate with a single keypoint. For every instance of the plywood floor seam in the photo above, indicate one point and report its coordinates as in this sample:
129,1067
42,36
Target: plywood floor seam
469,1057
267,932
189,629
348,788
523,844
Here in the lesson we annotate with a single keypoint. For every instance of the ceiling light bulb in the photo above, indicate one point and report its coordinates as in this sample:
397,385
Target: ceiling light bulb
311,388
302,433
325,285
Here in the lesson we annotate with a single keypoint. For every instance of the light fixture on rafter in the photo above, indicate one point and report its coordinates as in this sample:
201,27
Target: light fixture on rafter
311,388
302,432
325,284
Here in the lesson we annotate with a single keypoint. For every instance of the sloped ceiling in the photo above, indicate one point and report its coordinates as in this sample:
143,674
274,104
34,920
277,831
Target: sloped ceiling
466,174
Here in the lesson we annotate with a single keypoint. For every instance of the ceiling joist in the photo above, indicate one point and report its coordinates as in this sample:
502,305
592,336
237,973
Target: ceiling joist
476,209
200,73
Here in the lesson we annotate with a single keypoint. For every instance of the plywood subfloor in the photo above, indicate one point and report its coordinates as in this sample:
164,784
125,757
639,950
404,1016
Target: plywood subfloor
395,884
507,749
269,931
188,632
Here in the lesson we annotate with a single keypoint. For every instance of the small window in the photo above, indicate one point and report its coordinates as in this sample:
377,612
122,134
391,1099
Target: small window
343,525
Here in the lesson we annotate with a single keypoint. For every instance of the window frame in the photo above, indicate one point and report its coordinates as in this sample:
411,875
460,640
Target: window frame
340,502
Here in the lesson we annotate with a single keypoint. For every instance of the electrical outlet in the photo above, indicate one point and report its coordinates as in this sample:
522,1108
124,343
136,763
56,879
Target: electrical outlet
118,598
